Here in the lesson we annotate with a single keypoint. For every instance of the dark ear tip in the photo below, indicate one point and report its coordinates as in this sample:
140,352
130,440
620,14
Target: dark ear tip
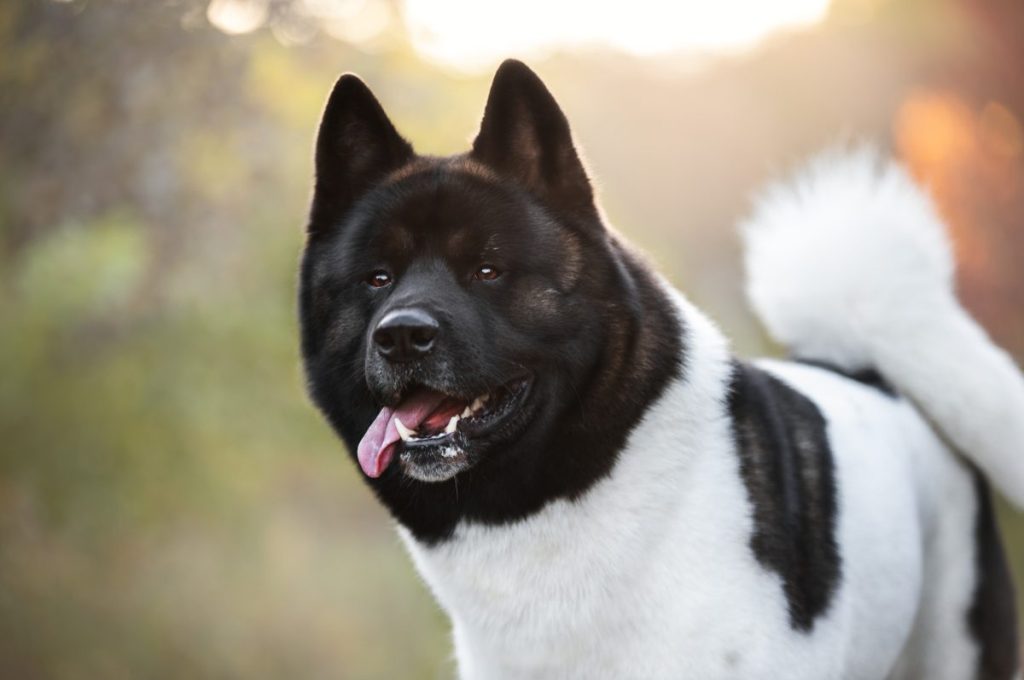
351,96
512,63
349,84
513,69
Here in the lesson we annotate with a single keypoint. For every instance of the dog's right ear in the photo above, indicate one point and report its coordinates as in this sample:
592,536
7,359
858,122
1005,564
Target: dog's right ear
356,146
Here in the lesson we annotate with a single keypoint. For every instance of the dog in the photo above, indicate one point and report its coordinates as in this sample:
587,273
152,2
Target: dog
591,484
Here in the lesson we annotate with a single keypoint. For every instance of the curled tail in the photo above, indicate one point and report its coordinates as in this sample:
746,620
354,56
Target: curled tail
850,264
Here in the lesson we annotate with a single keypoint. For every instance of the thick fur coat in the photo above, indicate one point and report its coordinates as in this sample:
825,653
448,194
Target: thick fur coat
635,501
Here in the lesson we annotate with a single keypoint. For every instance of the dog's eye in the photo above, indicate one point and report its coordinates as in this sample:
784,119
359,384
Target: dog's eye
378,279
486,272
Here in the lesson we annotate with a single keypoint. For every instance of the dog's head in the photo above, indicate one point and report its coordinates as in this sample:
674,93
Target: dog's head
454,310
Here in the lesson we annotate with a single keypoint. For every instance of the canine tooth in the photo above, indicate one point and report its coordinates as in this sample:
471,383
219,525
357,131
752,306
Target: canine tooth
478,404
451,425
405,433
466,412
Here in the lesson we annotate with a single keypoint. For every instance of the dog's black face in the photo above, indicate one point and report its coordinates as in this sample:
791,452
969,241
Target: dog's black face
470,318
455,308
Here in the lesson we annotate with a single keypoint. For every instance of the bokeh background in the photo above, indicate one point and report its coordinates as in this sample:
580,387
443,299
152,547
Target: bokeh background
171,505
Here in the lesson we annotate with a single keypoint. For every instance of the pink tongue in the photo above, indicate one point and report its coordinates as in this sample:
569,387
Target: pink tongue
377,447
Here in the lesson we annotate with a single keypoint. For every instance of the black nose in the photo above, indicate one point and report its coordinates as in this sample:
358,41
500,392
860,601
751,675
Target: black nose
405,334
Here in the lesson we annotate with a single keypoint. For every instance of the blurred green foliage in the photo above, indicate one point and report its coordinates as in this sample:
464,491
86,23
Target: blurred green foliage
170,503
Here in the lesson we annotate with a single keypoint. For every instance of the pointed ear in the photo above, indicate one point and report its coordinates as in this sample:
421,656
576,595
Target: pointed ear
356,146
525,136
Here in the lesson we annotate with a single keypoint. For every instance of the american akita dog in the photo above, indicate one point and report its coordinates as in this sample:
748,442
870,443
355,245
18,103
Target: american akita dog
591,484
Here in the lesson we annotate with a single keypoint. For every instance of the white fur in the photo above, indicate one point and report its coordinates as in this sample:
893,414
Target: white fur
650,574
850,264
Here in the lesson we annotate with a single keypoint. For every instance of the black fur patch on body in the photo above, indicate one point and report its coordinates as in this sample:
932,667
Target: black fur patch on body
787,467
992,618
868,376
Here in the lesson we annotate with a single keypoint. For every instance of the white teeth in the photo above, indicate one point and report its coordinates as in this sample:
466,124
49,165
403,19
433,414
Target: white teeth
451,425
466,412
405,433
477,404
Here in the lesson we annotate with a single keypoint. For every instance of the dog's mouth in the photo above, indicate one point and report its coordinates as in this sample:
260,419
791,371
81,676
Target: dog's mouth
433,432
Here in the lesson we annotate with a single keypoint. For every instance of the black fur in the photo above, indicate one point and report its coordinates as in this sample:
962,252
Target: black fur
867,376
992,618
574,309
787,467
355,131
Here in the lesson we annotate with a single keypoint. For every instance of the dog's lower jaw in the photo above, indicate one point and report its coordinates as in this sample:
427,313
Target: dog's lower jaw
442,465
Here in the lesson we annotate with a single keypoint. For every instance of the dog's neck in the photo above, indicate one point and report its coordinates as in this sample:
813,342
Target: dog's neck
672,430
669,432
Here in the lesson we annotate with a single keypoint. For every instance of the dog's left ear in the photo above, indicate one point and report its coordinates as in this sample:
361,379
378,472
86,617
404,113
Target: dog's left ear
526,137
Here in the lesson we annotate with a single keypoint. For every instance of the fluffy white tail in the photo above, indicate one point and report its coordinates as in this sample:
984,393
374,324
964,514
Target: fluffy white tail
850,264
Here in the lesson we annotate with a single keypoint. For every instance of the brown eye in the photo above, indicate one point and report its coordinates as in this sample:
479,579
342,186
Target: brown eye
379,279
486,272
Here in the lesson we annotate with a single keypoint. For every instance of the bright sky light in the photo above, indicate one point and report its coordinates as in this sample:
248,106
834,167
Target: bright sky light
473,34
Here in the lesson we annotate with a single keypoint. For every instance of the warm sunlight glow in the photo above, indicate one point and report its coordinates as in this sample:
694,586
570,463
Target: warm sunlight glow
933,129
469,34
236,17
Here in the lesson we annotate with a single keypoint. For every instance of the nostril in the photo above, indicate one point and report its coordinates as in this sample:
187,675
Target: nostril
384,339
423,338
